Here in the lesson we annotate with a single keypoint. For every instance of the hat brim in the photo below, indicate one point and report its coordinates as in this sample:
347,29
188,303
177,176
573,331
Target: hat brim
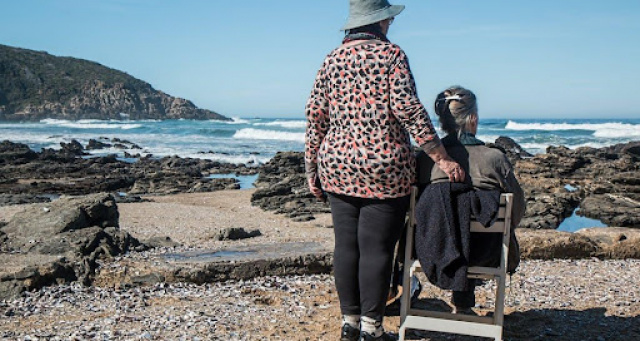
383,14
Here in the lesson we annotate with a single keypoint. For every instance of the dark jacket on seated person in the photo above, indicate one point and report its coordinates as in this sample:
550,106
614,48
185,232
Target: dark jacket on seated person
487,169
443,239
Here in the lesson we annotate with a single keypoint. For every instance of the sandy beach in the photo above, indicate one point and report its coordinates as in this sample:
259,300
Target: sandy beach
586,299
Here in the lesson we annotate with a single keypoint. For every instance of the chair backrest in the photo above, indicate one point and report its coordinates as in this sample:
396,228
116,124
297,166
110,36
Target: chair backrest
503,220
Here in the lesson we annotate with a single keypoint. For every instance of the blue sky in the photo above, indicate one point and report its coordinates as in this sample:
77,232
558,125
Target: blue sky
523,59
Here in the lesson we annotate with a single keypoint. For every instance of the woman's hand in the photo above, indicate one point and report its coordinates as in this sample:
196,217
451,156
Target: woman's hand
311,172
314,186
452,169
439,155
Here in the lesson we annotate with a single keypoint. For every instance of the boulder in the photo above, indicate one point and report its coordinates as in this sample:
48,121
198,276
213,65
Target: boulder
74,148
511,148
59,242
37,224
236,233
549,244
612,209
614,242
95,144
156,242
16,153
282,187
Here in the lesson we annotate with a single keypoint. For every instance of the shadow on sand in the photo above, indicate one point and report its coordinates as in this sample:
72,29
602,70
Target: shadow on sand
546,324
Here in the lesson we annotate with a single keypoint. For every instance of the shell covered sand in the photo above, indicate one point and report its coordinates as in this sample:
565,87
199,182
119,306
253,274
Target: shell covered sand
586,299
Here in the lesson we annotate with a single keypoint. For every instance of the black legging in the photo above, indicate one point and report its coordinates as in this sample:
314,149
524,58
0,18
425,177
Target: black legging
366,231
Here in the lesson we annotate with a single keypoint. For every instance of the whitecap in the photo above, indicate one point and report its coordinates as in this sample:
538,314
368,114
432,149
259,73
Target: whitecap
53,121
511,125
92,124
298,124
627,130
234,120
250,133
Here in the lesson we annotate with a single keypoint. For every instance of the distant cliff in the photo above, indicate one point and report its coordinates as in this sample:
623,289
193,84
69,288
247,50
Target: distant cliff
36,85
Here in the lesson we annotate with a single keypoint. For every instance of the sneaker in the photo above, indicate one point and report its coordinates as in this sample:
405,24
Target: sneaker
364,336
349,333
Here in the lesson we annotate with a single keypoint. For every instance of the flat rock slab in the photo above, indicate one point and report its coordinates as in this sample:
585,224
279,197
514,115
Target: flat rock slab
206,266
247,253
601,242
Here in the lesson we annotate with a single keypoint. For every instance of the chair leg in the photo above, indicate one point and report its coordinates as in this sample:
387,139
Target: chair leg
402,332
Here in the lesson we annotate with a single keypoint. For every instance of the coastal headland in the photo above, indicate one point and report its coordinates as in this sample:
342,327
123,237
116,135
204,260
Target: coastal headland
37,85
103,247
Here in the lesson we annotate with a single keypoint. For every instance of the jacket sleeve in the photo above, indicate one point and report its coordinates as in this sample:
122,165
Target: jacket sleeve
406,105
317,115
513,186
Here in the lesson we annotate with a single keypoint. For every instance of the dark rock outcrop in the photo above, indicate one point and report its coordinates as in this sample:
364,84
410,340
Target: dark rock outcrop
511,148
36,85
74,148
605,179
555,184
616,210
27,176
236,233
60,242
282,187
14,153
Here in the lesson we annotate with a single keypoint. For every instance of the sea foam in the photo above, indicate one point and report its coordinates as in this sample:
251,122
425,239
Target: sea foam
234,120
511,125
285,124
251,133
92,124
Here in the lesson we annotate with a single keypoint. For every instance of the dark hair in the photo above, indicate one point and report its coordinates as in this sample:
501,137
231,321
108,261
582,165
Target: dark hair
455,107
371,28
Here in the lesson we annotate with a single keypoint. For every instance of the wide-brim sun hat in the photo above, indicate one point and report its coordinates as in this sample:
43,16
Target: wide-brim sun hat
366,12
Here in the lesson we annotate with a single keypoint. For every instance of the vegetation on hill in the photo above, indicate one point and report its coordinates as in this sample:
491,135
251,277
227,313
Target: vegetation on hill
36,85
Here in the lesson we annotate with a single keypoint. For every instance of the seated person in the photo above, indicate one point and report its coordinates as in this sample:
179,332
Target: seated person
487,169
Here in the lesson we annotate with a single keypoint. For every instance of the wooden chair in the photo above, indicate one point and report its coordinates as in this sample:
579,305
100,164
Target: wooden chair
484,326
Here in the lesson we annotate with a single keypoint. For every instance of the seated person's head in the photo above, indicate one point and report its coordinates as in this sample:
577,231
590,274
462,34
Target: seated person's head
457,111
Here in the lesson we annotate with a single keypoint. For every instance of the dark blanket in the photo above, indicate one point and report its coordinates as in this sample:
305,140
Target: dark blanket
443,239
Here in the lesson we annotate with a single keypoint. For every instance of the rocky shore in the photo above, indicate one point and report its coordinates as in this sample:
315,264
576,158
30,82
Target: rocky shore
155,249
27,176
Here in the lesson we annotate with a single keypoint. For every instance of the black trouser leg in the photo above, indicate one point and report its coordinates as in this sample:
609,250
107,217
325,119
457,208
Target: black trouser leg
366,231
464,299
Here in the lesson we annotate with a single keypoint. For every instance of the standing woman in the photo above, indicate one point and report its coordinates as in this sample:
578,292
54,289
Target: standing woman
361,113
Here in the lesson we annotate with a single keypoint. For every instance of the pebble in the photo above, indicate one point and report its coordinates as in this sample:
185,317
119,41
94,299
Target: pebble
264,308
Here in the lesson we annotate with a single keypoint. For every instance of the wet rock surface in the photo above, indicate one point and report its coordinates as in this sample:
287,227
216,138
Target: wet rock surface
604,181
614,209
30,177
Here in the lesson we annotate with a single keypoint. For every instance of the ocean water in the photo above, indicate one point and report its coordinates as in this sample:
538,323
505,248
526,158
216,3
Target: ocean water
256,140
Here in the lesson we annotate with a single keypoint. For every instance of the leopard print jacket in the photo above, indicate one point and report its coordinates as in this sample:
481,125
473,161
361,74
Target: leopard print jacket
362,110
